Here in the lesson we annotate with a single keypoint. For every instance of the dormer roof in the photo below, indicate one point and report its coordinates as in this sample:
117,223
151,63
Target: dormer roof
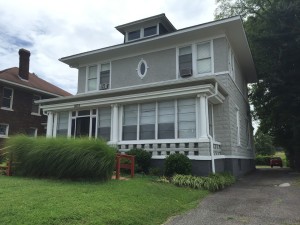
162,23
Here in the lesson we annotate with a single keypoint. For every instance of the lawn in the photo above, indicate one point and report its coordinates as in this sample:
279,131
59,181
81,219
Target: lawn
135,201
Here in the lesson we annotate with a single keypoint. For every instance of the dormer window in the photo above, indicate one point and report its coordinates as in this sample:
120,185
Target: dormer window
134,35
149,31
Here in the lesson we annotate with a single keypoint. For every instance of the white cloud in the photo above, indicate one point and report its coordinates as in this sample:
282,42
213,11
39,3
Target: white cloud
53,29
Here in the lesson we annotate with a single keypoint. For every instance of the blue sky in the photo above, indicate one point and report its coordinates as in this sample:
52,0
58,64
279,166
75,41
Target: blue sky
52,29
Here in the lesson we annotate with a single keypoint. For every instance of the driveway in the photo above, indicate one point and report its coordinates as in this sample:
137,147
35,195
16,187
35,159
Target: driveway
255,199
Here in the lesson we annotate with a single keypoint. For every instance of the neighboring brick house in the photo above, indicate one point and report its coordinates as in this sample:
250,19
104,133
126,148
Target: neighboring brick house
166,91
18,91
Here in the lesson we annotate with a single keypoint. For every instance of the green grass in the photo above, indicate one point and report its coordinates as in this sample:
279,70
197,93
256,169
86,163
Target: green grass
135,201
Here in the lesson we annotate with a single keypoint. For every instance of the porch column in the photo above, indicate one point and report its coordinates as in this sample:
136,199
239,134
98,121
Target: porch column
49,125
115,123
202,116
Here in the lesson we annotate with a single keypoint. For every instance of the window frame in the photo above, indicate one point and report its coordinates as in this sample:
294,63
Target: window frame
35,131
194,46
238,127
11,98
156,125
142,32
98,77
6,130
38,106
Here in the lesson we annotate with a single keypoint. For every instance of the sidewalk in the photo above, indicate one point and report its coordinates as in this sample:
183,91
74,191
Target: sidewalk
256,199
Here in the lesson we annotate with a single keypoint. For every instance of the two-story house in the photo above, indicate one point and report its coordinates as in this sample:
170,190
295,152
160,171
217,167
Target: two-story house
18,90
166,91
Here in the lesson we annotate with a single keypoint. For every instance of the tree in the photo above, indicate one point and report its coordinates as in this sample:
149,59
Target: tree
273,31
263,143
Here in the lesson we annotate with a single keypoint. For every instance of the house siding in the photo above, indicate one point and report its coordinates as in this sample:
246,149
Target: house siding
162,67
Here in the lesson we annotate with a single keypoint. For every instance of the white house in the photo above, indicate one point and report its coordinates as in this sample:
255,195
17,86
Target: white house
166,91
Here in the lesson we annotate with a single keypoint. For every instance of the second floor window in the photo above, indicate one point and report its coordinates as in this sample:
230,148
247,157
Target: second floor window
7,98
104,76
92,78
35,107
195,59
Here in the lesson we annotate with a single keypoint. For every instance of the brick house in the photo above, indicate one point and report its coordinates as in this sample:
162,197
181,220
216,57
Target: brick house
18,90
166,91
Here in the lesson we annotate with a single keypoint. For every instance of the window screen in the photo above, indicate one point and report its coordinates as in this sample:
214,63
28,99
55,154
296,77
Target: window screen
147,121
92,78
62,124
166,120
130,122
186,118
104,123
203,58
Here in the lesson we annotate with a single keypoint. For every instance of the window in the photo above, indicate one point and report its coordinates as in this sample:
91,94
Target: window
203,58
142,68
210,120
238,137
104,76
62,124
231,64
149,31
92,78
147,121
104,123
186,118
7,98
166,120
3,130
32,132
35,109
134,35
130,122
185,61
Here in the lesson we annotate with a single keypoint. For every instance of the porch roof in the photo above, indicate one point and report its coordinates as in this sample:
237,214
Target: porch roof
164,90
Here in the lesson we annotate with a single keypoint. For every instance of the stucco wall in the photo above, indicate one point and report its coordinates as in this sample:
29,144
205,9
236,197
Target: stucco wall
161,67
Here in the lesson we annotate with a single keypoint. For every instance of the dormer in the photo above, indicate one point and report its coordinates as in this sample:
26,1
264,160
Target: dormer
145,28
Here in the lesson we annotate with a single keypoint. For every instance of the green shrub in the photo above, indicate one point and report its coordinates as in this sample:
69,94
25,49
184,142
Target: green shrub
62,157
213,182
155,171
177,164
142,159
262,160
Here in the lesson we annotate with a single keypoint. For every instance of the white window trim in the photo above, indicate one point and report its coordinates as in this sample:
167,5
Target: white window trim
156,139
11,100
194,58
138,69
98,68
142,32
35,131
238,126
6,132
39,109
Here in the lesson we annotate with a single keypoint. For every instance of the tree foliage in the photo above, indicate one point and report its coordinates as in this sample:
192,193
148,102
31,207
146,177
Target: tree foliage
263,144
273,31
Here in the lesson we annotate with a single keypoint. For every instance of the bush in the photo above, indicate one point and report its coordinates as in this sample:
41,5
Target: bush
214,182
155,171
262,160
177,164
142,159
62,157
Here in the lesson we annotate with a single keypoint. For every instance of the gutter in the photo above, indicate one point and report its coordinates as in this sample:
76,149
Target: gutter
213,167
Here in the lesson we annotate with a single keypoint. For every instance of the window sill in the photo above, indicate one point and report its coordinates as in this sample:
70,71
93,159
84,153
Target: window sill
7,109
2,136
35,114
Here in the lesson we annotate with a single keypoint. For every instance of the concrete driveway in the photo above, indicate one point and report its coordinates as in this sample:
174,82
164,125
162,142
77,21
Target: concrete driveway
255,199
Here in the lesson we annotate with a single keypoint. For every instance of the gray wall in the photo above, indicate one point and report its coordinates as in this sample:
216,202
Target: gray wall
162,67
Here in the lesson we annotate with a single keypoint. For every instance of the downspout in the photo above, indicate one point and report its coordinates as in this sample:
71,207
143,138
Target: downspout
213,167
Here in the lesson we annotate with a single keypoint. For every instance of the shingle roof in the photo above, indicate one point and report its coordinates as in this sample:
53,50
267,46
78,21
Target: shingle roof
11,75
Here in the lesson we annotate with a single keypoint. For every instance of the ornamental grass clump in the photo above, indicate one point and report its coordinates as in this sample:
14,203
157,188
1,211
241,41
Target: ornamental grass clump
62,157
213,182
